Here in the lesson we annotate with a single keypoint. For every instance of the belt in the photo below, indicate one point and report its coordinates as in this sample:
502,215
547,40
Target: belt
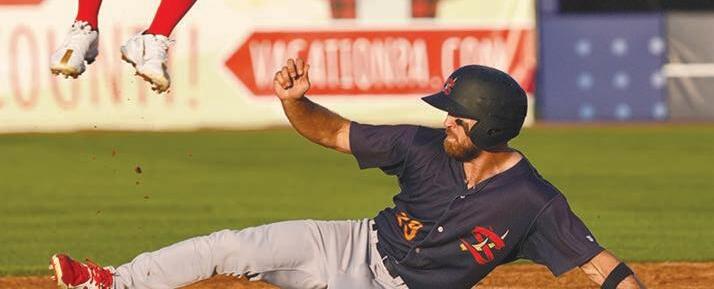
386,259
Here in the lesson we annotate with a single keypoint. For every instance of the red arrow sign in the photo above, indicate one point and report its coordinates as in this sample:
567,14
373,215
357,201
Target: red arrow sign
382,62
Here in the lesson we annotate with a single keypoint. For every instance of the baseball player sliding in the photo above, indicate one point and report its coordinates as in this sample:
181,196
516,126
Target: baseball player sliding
468,203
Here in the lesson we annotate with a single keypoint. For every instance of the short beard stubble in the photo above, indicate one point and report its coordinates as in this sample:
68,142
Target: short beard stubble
462,152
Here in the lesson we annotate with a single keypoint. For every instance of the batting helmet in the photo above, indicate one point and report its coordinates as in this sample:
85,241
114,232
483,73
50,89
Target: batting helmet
487,95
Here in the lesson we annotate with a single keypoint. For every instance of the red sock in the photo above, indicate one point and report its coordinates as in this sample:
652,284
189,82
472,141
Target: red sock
168,15
89,11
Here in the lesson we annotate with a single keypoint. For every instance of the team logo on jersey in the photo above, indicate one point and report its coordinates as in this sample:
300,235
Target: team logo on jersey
486,242
409,226
449,85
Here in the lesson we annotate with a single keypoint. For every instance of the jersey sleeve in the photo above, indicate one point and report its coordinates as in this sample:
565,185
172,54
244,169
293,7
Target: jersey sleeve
382,146
558,239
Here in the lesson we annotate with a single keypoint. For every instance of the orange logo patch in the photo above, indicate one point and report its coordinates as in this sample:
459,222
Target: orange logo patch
409,226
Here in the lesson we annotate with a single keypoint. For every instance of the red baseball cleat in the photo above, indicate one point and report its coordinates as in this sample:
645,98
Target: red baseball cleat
73,274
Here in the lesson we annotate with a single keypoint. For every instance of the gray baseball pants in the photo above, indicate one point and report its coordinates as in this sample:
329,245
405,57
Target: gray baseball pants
294,254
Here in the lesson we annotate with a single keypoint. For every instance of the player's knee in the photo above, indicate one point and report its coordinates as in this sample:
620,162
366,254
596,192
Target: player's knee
234,241
230,251
223,238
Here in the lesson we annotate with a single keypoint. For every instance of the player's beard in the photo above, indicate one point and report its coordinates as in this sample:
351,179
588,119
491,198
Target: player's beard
461,150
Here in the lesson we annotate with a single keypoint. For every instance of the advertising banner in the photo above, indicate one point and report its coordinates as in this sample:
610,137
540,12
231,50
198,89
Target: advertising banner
381,62
225,54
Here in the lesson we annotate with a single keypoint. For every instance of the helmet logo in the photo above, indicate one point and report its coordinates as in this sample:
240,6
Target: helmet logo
449,85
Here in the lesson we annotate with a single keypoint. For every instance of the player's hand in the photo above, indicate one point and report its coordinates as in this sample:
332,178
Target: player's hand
291,82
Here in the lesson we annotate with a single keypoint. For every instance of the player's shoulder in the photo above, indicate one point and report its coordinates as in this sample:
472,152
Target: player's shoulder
402,132
427,144
416,134
428,136
532,186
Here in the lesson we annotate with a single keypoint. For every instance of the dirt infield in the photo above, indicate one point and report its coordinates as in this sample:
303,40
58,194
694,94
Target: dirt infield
519,276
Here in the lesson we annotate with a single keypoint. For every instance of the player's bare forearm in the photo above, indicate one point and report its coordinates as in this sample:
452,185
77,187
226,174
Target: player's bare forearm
317,123
600,266
314,122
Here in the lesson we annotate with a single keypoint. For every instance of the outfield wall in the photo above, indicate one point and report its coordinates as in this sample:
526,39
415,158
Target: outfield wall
372,68
623,61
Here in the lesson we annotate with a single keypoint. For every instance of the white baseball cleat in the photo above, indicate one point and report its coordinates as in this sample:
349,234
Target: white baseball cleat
148,53
71,274
80,45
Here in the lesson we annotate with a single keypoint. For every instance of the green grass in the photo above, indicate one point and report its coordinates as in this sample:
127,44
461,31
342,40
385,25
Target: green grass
646,192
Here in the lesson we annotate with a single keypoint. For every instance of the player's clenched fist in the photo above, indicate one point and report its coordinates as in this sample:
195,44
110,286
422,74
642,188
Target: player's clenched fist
291,82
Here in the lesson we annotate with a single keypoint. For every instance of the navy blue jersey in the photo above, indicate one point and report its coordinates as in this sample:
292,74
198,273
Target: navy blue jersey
441,234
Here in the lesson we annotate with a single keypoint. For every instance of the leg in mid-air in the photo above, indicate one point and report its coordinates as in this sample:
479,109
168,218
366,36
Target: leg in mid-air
294,254
81,43
147,51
